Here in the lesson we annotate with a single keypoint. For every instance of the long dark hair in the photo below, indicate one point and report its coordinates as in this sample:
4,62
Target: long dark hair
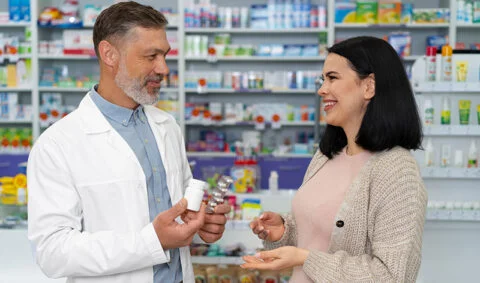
391,118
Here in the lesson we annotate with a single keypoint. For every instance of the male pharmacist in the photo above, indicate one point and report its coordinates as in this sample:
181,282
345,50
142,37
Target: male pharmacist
106,183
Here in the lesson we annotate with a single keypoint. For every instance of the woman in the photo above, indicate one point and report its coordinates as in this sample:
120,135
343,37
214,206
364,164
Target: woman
359,214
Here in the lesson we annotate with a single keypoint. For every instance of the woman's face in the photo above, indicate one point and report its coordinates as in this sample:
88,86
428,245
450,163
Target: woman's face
344,94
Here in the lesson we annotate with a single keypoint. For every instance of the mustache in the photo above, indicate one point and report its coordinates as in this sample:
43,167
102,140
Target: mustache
154,79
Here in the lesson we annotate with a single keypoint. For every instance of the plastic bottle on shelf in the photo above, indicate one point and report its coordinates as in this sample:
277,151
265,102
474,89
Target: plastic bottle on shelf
273,182
431,63
429,154
446,112
446,63
472,155
429,112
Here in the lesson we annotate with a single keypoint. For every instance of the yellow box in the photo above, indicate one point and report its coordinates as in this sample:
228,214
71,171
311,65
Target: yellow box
389,12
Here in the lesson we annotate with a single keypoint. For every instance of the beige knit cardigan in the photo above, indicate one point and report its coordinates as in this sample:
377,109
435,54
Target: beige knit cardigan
383,215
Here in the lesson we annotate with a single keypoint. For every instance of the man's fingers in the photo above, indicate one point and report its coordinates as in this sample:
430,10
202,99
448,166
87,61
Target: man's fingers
213,228
216,219
209,237
177,210
222,209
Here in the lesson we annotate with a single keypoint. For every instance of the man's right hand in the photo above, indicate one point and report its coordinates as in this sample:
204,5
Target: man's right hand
172,234
268,226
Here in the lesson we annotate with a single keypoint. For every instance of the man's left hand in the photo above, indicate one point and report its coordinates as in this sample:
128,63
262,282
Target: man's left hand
214,225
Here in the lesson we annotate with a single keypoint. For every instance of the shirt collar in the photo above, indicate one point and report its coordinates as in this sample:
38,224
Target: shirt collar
119,114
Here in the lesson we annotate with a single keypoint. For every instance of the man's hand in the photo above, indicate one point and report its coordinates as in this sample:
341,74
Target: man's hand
214,225
277,259
172,234
269,226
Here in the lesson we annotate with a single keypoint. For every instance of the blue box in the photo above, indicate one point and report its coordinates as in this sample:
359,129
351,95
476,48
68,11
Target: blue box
292,50
25,10
310,50
14,10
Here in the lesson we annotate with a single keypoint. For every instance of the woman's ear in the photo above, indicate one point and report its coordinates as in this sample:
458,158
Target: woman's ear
108,53
369,87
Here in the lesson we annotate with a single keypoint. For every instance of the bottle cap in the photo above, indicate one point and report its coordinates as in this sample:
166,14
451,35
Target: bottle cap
431,51
194,194
447,50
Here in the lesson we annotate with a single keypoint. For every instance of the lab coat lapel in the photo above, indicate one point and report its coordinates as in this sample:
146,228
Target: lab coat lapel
95,123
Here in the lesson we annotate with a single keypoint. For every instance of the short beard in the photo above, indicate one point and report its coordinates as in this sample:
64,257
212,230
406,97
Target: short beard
133,87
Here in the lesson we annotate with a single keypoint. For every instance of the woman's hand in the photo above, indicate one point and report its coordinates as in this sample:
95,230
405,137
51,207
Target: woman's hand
268,226
278,259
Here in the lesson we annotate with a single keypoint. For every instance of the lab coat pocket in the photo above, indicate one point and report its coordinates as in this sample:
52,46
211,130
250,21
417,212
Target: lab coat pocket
120,205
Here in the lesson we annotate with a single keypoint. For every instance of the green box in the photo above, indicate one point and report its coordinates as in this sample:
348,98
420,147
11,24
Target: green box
367,12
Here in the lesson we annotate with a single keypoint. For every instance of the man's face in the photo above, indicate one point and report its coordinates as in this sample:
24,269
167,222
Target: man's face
142,64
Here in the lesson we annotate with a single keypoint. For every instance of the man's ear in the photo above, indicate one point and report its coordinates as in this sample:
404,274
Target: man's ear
108,53
369,87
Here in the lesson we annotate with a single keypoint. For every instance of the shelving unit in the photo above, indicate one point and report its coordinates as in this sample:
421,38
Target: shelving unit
251,91
262,58
252,30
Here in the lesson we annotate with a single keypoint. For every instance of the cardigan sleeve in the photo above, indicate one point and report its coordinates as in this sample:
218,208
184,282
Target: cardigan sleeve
397,211
289,237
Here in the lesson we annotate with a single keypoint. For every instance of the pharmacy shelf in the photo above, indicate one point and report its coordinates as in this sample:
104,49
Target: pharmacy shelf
169,89
84,57
412,57
232,154
253,91
261,58
210,154
450,173
14,24
468,25
217,260
452,130
65,57
361,26
62,89
454,215
83,89
15,122
457,225
223,123
15,57
251,30
15,89
442,87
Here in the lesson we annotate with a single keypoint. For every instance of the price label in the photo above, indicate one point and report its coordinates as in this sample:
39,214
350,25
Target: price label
259,123
202,85
276,121
212,55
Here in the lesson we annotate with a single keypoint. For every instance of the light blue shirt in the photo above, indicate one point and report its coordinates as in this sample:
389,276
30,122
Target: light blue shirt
133,126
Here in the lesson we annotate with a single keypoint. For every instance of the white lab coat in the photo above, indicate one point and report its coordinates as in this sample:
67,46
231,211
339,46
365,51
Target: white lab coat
88,206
